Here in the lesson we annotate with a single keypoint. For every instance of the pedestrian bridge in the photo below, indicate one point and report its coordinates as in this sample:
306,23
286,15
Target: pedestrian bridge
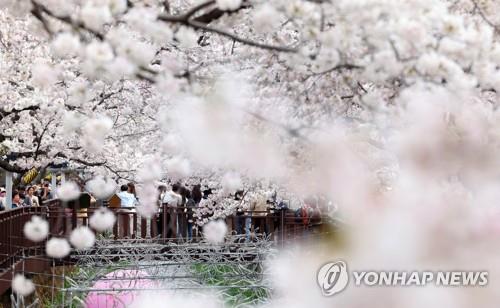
137,241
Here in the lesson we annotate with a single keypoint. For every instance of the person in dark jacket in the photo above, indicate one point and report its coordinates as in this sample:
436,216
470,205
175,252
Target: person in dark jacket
16,199
190,205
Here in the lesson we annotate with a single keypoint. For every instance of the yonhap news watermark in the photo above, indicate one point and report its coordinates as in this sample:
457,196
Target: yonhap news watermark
334,277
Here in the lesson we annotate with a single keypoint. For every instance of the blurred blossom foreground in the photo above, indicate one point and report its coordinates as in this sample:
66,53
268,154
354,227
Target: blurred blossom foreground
240,153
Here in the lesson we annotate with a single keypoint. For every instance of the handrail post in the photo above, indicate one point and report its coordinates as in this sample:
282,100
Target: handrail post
173,221
8,188
282,227
268,229
53,183
164,227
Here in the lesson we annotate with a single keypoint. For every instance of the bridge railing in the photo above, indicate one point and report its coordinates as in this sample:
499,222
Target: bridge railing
17,253
175,223
12,240
15,247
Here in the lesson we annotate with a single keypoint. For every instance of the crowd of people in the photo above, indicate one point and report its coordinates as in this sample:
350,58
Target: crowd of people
178,196
247,215
250,214
32,195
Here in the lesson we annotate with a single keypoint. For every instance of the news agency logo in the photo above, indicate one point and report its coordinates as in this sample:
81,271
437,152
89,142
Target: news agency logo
334,277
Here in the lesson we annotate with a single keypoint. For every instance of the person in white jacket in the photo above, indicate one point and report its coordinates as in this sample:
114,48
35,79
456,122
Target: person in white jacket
173,197
127,199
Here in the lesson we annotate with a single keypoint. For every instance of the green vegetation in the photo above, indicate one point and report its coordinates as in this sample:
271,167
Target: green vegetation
55,297
241,284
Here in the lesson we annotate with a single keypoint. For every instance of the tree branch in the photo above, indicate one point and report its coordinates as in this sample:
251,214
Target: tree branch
478,9
197,8
344,66
39,139
216,13
4,113
201,23
11,168
104,96
39,8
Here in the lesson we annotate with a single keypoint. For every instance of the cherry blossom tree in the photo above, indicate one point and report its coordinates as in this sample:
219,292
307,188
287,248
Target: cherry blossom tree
389,108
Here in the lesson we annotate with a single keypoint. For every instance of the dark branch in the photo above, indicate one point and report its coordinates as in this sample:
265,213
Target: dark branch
38,9
478,9
104,96
4,113
340,67
39,139
11,168
200,23
215,14
197,8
